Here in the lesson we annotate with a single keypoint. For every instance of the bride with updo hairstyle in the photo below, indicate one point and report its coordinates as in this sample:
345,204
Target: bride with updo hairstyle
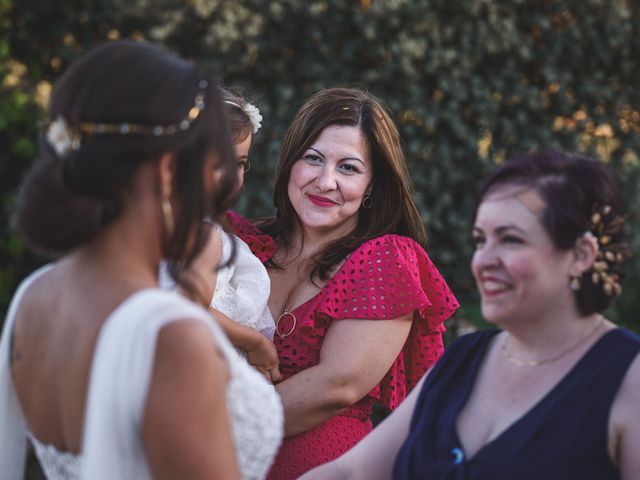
107,375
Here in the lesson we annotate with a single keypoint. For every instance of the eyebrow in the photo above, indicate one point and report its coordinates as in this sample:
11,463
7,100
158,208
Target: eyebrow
342,159
502,229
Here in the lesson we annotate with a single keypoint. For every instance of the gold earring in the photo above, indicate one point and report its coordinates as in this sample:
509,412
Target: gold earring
575,283
167,211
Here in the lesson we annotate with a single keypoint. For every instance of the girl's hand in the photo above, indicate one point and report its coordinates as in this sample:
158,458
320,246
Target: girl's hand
263,355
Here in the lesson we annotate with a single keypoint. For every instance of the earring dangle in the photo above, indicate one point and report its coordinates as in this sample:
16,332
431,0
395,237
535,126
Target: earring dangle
367,202
575,283
167,211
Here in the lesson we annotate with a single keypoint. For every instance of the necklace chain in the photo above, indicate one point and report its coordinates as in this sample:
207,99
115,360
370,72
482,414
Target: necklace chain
534,363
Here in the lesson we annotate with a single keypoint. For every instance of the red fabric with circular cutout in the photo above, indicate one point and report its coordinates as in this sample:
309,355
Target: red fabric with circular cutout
385,278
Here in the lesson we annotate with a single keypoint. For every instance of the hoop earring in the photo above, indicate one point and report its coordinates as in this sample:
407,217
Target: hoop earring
575,283
367,202
167,211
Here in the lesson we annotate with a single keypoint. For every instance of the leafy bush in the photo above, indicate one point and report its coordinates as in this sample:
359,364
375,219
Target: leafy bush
470,82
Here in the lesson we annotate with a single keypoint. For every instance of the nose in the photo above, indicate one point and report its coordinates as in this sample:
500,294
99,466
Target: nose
484,258
326,179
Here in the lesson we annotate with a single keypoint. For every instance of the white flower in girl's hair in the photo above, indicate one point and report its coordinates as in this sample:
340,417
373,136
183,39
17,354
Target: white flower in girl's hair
62,137
254,115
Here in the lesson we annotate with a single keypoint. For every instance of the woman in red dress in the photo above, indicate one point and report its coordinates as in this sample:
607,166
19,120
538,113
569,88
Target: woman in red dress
358,303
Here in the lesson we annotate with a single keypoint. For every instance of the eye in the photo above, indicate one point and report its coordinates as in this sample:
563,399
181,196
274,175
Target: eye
348,168
477,240
512,239
244,165
312,158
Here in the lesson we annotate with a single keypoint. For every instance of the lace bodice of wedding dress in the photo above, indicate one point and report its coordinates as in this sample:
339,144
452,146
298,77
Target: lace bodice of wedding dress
120,376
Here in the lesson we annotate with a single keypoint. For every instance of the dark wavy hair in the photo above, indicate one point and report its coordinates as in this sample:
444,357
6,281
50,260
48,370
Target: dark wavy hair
393,210
573,188
64,201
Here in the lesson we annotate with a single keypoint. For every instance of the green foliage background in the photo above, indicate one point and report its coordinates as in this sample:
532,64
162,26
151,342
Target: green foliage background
470,83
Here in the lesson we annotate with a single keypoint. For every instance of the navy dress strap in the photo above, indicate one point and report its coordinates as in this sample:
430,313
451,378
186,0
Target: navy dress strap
563,436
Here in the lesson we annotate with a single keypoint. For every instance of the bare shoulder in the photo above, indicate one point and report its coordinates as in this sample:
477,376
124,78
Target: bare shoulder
628,397
187,341
624,426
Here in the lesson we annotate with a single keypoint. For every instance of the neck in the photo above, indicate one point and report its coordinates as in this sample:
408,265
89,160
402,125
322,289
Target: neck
546,336
126,253
306,241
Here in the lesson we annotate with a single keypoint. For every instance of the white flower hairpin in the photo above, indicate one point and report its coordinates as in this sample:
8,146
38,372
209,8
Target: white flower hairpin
251,111
62,137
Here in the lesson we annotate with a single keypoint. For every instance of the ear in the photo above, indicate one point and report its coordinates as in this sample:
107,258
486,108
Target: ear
585,252
369,188
165,173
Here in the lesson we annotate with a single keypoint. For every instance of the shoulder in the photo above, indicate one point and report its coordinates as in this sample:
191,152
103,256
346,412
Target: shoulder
389,252
261,245
391,241
390,275
624,418
629,392
187,340
144,315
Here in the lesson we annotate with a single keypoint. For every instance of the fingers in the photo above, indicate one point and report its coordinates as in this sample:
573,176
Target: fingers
275,374
272,374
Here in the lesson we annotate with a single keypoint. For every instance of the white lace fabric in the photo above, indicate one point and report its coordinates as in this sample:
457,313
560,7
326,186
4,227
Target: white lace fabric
243,287
56,465
120,375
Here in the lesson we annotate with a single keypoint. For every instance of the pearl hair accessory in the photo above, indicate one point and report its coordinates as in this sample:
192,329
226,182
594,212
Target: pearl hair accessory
65,138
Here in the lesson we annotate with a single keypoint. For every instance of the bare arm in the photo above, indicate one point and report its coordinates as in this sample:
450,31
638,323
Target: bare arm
261,352
355,356
204,268
626,424
186,428
373,457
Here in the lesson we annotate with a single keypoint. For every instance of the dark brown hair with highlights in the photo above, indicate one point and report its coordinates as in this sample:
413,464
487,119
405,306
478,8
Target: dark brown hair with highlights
393,210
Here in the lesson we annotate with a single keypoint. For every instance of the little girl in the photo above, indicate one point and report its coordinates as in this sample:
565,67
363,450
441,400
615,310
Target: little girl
239,289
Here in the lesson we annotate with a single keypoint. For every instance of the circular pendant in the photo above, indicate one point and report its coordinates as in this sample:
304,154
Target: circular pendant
286,314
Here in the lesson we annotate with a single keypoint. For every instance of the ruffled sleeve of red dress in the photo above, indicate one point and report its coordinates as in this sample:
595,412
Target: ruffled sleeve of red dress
386,278
261,244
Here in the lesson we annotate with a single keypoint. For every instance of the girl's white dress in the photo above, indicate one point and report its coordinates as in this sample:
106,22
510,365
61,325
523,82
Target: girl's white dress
243,287
120,375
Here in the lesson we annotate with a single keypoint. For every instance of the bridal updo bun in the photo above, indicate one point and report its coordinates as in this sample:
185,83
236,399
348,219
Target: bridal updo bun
120,105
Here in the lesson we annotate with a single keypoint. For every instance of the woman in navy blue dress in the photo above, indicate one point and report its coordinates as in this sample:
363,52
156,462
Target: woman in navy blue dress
554,393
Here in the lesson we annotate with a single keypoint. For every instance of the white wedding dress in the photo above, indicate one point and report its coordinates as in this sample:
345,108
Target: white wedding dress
120,375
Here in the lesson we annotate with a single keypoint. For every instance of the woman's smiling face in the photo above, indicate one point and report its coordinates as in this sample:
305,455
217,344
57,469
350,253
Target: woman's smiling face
518,269
328,183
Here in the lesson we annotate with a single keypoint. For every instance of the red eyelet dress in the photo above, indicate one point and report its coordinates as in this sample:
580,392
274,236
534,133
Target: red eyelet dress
384,278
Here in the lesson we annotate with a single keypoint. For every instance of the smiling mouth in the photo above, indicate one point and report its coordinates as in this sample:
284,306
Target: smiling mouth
321,201
491,287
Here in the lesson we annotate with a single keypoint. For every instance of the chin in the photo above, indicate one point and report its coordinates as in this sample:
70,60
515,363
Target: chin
494,314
